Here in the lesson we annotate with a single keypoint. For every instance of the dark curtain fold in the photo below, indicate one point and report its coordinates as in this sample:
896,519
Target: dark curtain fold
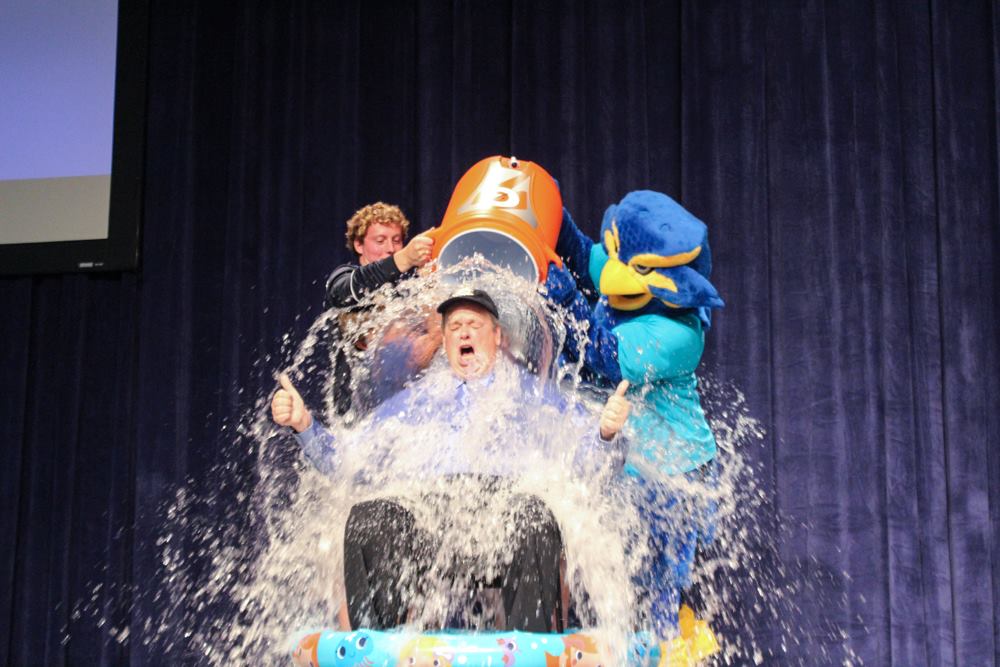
844,155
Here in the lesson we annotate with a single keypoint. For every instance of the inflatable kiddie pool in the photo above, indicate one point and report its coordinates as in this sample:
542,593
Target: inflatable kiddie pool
371,648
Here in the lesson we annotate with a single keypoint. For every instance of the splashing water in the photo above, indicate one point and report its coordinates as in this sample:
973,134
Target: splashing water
251,594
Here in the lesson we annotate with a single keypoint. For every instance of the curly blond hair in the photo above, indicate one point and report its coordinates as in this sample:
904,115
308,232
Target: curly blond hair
366,216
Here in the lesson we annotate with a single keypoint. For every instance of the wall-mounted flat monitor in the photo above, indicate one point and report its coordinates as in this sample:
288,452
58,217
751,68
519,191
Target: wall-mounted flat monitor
72,134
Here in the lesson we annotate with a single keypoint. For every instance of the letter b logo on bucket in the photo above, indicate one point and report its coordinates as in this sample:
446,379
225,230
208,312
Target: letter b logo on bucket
504,188
507,210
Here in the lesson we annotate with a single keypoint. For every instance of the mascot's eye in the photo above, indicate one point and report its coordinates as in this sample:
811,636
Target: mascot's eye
642,269
341,652
579,655
511,646
361,642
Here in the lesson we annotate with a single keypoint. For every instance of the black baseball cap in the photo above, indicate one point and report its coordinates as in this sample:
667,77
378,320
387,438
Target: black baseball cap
469,295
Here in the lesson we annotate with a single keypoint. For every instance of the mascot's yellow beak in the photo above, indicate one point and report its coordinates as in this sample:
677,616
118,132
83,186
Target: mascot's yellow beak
623,287
627,285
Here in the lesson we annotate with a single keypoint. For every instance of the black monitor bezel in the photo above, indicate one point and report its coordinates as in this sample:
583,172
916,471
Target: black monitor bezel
120,250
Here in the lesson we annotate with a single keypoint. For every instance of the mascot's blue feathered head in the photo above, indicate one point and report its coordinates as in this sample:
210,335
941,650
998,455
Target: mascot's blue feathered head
655,255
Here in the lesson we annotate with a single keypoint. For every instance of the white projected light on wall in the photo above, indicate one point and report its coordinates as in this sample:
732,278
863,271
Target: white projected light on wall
72,85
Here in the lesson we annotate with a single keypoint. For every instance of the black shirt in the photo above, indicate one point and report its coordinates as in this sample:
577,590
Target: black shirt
346,287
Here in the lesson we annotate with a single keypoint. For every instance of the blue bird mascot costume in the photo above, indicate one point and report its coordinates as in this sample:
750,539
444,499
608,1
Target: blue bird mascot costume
650,279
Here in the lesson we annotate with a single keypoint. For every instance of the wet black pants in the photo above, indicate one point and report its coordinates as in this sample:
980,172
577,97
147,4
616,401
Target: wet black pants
386,556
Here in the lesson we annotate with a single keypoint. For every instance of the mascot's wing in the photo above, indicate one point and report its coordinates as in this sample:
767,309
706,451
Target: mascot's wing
601,356
574,247
601,346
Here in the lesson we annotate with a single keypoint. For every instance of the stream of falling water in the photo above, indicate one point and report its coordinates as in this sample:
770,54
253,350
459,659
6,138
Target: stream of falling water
285,575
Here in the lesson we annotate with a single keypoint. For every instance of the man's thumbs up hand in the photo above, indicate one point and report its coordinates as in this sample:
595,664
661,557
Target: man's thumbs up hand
288,408
615,412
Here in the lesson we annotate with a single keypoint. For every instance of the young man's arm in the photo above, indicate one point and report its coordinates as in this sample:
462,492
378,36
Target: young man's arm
349,284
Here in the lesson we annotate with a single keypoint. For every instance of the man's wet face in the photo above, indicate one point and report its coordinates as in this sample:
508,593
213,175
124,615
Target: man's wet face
471,340
379,242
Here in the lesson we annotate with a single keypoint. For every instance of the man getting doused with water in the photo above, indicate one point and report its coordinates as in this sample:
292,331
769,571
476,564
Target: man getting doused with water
442,465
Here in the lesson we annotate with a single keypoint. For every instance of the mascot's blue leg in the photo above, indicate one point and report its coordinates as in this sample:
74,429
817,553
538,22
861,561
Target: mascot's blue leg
676,525
667,570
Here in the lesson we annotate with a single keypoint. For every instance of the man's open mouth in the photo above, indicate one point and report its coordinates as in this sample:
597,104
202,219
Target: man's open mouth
466,351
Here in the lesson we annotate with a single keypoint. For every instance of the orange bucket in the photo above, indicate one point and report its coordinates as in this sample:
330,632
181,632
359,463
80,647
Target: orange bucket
507,210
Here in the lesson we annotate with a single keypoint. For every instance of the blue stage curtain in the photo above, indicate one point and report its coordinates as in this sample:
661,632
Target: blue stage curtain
845,158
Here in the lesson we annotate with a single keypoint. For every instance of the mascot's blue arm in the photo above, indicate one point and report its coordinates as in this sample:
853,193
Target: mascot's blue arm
601,353
574,246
